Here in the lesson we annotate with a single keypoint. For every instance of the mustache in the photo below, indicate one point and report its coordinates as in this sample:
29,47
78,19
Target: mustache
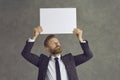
58,46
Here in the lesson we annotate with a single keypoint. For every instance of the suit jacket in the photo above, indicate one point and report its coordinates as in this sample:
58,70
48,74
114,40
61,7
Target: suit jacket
69,60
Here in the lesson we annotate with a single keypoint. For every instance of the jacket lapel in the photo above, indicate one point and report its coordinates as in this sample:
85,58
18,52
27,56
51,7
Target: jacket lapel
67,64
44,65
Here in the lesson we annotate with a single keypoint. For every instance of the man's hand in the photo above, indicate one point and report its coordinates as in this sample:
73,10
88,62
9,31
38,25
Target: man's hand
78,32
37,31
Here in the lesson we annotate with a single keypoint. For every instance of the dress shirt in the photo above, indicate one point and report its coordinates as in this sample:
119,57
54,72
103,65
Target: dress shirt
51,72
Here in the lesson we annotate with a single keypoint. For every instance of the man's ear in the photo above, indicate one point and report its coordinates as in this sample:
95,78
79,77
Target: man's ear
47,49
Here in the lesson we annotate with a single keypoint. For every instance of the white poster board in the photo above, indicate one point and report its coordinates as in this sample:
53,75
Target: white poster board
58,20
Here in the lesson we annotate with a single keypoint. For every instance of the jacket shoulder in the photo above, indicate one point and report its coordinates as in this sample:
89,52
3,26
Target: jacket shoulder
68,56
43,56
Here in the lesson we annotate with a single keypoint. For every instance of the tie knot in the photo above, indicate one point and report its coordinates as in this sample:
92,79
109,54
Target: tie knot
56,59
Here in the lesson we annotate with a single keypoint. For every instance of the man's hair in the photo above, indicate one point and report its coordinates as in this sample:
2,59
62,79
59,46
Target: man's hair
47,39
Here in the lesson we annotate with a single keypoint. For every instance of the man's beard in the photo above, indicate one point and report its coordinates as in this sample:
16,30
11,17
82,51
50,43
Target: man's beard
57,50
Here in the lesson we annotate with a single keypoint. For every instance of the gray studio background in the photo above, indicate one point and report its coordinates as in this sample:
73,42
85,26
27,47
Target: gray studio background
99,19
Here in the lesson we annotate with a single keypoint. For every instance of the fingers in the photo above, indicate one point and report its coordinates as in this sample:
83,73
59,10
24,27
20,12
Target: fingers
74,30
38,28
77,31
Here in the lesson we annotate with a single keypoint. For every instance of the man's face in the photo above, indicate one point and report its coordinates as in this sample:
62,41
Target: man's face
54,46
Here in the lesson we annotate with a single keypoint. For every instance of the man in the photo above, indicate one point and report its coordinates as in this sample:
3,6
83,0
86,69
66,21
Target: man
56,66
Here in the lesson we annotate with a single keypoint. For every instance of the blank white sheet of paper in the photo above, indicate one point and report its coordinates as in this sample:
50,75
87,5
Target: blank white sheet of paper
58,20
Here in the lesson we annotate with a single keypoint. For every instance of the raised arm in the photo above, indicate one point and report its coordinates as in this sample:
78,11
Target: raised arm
87,54
26,53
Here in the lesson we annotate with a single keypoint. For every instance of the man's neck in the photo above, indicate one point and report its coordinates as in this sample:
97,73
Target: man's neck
55,55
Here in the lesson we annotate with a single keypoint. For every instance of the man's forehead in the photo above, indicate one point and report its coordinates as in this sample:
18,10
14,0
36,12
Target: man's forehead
53,39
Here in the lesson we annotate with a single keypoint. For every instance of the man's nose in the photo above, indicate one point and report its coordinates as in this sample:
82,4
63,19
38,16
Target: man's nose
57,44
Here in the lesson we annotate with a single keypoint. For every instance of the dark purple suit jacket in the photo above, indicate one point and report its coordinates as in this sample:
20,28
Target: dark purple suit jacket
69,60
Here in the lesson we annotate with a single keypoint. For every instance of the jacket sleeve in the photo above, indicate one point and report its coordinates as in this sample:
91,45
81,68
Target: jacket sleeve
26,53
87,54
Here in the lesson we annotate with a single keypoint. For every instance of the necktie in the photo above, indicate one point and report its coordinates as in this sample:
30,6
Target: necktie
57,67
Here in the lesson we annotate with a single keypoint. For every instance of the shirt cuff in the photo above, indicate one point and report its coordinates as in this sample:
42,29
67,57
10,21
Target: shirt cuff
83,41
31,40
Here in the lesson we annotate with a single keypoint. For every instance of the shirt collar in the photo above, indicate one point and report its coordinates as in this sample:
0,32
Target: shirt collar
59,57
